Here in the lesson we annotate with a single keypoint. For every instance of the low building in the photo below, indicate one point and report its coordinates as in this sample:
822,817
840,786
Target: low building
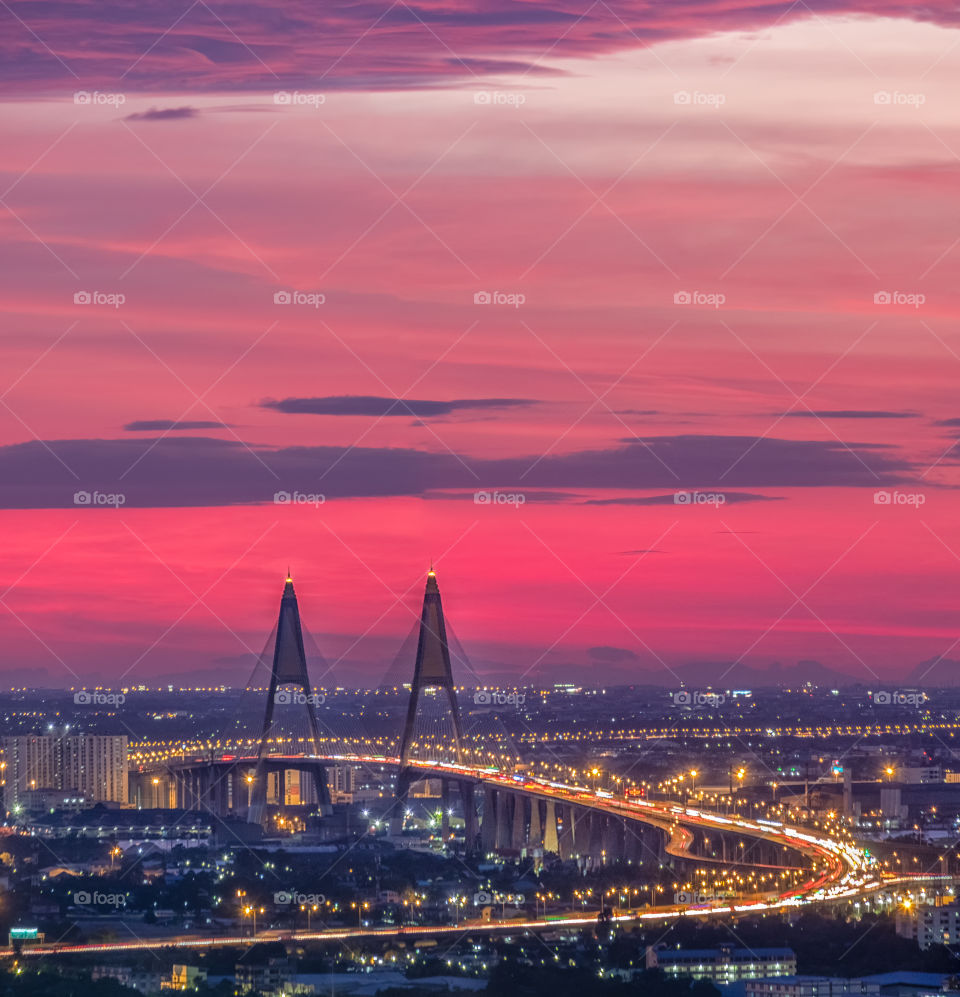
184,978
903,983
269,977
130,976
930,925
724,964
809,986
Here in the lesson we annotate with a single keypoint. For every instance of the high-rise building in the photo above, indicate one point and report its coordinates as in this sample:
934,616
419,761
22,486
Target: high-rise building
92,764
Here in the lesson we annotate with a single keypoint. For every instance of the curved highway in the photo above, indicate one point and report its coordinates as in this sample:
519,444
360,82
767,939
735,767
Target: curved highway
839,870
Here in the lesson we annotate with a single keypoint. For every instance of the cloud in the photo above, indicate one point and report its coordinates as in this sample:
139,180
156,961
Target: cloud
361,46
169,425
376,405
848,414
205,471
614,654
729,498
634,553
951,423
164,114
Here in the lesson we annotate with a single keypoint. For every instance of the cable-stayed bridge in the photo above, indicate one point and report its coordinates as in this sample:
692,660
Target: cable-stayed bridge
500,807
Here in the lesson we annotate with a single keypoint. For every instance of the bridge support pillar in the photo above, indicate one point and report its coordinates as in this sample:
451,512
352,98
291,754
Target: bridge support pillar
565,835
488,826
504,801
470,831
444,812
551,837
535,834
519,834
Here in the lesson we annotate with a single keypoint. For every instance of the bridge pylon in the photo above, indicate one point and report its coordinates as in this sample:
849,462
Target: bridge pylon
290,690
431,672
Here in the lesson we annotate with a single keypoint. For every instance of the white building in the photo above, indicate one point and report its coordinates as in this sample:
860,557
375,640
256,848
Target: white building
94,765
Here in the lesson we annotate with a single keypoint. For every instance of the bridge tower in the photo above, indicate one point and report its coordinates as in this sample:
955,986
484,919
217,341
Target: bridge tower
290,689
431,671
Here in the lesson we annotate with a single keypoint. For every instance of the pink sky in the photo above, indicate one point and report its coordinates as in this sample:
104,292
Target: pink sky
807,166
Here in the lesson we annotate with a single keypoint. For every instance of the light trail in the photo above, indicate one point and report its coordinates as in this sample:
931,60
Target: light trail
848,872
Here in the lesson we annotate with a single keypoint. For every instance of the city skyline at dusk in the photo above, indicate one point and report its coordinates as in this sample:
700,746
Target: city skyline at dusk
639,322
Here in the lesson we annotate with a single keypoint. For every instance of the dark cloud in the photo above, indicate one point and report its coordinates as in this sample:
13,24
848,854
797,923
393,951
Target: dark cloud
634,553
674,498
376,405
951,423
204,471
163,114
615,654
848,414
167,425
259,46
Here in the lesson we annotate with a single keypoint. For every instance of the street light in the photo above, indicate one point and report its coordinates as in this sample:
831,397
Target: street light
309,911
